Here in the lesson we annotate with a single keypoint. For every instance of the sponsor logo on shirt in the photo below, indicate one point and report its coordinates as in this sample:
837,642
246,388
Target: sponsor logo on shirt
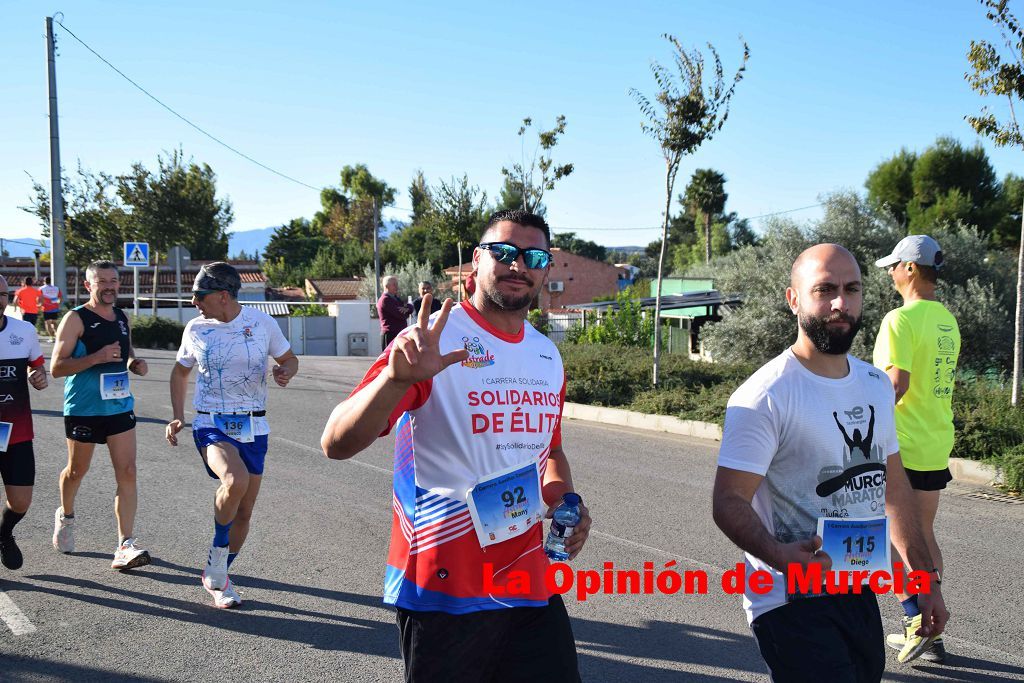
479,357
94,326
861,479
124,328
247,331
16,340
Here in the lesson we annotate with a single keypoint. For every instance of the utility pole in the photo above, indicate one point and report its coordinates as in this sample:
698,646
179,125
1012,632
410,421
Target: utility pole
376,255
58,273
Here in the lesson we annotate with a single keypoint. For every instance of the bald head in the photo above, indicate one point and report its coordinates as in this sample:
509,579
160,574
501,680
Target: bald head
820,257
825,293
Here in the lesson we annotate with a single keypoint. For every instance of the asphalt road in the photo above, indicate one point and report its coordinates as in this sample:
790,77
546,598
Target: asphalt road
311,573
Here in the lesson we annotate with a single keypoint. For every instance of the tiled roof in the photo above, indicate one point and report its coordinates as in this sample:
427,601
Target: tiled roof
336,287
286,294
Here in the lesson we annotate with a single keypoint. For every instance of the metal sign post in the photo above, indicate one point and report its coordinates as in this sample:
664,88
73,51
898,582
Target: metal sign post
136,255
180,256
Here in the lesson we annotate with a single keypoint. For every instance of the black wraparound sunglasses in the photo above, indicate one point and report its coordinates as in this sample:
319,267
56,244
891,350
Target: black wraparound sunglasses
506,253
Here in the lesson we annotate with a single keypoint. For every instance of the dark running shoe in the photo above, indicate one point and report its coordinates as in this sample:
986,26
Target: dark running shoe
10,553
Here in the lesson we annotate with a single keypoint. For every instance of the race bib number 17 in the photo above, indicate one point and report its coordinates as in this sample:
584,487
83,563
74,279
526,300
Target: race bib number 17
114,385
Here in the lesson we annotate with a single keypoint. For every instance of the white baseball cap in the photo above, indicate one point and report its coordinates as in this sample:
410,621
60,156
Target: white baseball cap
919,249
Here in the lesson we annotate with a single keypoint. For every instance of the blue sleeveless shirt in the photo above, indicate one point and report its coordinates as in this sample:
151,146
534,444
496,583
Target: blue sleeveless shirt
82,395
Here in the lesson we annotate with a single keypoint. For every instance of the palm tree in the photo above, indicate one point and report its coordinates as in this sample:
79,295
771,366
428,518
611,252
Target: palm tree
705,196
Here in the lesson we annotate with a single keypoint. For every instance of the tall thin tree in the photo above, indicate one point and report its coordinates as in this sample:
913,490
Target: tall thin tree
1002,75
706,196
523,176
683,115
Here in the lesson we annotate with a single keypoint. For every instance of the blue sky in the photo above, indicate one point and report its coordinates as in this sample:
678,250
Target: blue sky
831,89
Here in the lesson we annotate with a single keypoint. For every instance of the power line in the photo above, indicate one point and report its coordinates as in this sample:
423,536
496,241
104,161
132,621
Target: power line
7,240
779,213
317,189
168,108
565,229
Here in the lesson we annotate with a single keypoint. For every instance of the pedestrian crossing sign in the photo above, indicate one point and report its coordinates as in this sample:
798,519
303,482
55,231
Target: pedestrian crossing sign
136,254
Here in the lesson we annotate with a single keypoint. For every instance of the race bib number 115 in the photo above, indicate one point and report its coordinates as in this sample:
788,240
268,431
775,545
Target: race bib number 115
856,543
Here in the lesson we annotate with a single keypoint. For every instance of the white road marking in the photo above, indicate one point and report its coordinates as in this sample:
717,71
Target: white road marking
14,617
307,447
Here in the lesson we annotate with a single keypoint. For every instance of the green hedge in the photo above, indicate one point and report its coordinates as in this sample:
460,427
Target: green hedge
154,332
612,375
987,426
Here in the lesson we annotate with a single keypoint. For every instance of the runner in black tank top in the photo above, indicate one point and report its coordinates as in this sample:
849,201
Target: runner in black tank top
94,353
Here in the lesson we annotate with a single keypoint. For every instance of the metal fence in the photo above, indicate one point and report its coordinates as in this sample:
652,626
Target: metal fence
560,323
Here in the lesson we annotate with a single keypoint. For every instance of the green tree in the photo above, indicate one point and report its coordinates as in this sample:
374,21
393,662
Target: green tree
419,196
944,184
532,178
1006,233
741,234
458,214
891,183
948,177
681,118
511,197
296,242
93,217
568,241
1002,75
351,212
705,195
975,286
177,204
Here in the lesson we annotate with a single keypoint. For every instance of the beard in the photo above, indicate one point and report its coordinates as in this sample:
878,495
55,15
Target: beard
833,342
505,302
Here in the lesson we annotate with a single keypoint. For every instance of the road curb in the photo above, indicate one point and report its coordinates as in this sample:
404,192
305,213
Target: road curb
654,423
964,471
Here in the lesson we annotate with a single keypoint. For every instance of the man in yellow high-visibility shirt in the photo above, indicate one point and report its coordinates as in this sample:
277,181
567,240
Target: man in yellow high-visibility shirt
917,346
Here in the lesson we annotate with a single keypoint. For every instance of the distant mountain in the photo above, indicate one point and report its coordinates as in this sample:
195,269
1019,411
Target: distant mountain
251,241
628,250
23,246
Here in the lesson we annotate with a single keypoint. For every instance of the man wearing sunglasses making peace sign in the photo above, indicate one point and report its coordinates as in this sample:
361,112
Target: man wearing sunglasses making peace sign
479,392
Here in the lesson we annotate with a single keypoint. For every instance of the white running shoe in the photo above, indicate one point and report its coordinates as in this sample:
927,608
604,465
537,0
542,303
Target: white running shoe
129,556
63,532
215,576
225,599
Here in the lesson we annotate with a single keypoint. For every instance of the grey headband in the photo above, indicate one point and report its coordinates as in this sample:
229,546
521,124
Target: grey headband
223,283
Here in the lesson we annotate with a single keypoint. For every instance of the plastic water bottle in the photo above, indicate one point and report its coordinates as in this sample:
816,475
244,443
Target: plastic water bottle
563,521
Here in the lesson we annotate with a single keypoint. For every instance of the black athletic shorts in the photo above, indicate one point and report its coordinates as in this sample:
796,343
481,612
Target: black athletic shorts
516,644
96,428
18,465
929,480
30,318
836,638
51,315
